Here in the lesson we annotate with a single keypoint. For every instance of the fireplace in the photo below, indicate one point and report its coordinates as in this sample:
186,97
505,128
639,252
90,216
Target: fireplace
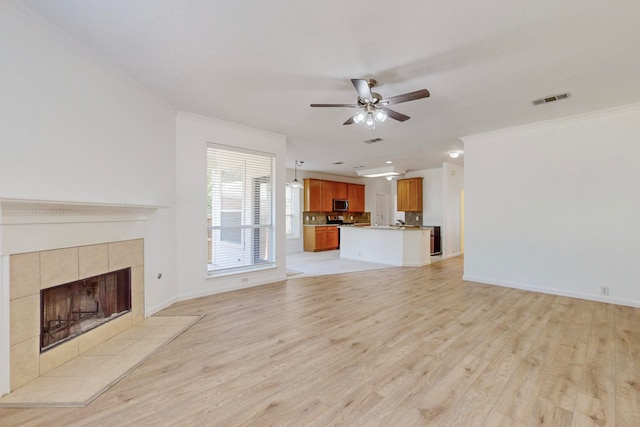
44,244
71,309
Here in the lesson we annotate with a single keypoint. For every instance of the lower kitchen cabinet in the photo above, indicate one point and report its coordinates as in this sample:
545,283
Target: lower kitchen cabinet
320,238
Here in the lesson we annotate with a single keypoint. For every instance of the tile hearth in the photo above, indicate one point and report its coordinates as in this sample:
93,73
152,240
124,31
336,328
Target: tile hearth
82,379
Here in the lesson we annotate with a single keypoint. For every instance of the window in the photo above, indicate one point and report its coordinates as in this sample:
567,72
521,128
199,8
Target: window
240,205
292,197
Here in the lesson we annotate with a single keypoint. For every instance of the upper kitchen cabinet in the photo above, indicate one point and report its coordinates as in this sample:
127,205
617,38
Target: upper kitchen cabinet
318,195
355,195
340,190
410,195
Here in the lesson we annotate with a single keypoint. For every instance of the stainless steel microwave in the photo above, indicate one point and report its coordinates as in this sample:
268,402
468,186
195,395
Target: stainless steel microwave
340,205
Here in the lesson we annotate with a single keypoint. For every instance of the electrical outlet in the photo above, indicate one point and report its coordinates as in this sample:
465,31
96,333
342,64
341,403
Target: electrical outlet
604,290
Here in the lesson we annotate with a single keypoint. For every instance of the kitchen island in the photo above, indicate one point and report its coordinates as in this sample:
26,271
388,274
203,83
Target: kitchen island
401,246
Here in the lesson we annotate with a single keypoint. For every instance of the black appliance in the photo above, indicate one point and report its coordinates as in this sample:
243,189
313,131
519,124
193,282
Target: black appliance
436,243
340,205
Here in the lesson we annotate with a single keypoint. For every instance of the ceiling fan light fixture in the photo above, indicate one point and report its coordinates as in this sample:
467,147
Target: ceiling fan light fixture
380,115
370,121
359,117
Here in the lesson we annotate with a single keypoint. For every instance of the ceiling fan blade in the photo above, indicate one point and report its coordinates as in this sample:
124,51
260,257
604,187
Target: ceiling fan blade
411,96
363,89
394,114
349,121
336,105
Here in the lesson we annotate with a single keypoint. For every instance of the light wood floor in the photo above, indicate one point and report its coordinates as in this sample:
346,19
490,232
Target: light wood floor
393,347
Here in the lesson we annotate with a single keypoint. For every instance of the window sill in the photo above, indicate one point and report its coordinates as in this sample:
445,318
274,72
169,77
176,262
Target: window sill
240,270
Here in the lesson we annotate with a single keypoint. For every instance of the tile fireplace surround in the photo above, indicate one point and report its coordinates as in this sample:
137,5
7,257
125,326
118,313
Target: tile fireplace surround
34,271
45,244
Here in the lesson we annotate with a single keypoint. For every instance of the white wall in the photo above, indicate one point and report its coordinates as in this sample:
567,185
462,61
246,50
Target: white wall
75,128
432,196
192,134
452,184
553,207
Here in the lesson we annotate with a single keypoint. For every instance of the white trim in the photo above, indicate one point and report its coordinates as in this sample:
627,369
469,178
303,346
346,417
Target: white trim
579,295
28,211
5,325
553,122
153,310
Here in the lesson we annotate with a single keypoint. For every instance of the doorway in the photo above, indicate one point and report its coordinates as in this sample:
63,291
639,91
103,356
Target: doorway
381,211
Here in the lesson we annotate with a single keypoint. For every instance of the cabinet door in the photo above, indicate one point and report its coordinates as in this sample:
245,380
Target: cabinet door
413,195
356,197
340,190
321,238
326,196
410,195
332,237
403,198
312,195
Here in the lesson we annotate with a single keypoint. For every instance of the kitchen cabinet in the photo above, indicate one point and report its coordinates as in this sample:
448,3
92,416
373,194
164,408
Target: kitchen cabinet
355,195
410,195
320,238
318,195
340,190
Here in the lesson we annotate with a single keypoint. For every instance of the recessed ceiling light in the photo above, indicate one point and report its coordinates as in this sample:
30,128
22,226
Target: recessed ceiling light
455,154
378,172
389,162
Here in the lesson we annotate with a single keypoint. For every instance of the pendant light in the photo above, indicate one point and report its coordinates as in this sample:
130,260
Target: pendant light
296,183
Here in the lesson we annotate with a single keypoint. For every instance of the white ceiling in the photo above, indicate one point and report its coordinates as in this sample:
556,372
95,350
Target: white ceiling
262,62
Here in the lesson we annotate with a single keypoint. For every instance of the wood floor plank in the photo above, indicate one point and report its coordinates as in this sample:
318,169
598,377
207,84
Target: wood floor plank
400,346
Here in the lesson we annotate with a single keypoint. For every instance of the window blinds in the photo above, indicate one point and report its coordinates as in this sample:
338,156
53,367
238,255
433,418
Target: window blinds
240,206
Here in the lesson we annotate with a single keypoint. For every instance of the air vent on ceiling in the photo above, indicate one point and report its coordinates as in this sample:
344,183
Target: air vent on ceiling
338,163
551,98
372,141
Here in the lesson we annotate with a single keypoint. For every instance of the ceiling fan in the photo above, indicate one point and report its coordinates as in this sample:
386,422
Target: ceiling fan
374,106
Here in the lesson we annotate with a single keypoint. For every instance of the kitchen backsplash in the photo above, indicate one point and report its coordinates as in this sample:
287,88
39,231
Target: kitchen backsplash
319,218
413,218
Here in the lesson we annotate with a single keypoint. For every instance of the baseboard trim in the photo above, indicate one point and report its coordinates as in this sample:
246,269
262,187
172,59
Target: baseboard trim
552,291
213,291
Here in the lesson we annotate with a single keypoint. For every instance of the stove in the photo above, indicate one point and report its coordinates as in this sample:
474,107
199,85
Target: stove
337,220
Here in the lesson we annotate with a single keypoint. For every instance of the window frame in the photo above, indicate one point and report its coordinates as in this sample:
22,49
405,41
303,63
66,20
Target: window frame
256,248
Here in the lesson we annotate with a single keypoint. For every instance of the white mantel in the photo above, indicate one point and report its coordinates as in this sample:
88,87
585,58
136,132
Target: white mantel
28,225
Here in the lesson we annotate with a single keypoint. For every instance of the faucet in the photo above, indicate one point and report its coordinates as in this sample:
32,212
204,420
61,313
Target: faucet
379,218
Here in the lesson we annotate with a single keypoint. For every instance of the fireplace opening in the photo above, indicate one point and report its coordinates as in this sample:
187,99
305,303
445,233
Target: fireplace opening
74,308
